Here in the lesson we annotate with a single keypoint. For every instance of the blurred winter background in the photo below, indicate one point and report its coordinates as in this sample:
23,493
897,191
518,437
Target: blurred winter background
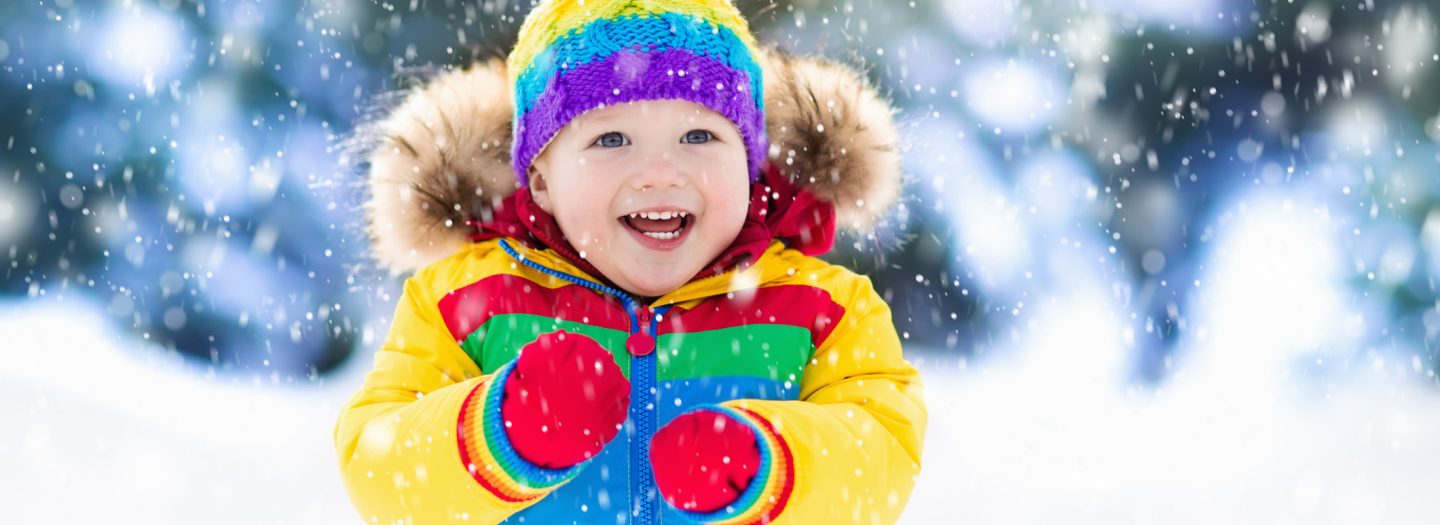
1166,261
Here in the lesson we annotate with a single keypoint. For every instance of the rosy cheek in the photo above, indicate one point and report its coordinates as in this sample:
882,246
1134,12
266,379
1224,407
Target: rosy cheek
596,227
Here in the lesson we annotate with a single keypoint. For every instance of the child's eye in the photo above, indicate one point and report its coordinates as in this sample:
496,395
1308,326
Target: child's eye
613,139
698,136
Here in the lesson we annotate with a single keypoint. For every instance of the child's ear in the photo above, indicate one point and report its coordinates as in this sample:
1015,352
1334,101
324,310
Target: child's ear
539,190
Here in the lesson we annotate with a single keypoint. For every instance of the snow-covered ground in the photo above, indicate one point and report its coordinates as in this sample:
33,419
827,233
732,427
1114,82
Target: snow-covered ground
101,430
1004,448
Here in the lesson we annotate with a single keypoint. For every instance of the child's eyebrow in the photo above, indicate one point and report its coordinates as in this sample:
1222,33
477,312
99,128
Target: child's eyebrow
593,120
603,118
599,118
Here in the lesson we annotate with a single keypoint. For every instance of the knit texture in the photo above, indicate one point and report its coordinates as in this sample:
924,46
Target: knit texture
486,451
573,56
768,492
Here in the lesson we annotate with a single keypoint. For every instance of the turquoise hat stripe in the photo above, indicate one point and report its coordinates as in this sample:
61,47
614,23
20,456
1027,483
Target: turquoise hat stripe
661,32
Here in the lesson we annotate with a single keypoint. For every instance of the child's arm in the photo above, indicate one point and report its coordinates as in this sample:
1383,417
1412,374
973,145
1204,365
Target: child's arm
419,443
850,451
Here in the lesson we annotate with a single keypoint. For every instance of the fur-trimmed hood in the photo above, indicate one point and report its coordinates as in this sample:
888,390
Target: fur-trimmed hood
441,159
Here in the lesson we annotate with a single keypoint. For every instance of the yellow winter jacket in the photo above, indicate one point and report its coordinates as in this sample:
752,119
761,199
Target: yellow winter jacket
806,348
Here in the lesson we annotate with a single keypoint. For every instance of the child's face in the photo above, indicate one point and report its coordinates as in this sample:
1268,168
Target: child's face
648,191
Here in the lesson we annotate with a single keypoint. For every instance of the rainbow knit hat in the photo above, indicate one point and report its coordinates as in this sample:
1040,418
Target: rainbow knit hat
573,56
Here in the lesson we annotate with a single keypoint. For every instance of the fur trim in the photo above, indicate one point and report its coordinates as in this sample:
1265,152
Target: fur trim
440,159
443,156
833,134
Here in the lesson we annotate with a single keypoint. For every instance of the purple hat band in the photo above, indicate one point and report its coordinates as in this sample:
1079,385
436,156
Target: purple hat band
629,76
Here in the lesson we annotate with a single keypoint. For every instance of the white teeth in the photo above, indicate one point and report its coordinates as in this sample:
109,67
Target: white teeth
659,215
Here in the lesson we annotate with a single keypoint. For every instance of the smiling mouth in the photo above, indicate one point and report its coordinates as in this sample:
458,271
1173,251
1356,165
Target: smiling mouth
659,225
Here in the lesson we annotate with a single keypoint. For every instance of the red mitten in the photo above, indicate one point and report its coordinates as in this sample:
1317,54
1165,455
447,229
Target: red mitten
564,400
703,460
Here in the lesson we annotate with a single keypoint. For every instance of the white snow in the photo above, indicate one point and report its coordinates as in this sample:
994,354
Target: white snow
100,430
1003,447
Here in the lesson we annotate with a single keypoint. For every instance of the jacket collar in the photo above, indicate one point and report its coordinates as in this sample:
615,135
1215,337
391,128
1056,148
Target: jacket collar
767,267
781,214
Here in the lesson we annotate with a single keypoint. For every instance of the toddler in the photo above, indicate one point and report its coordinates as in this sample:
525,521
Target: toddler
617,315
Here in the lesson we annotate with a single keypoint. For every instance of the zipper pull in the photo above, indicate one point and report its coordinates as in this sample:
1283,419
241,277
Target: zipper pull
641,343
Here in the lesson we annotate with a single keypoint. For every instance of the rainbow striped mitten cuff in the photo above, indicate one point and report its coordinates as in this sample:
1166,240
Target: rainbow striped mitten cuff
766,496
486,452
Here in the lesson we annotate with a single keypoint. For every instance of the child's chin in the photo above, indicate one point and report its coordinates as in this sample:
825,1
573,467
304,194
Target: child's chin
656,280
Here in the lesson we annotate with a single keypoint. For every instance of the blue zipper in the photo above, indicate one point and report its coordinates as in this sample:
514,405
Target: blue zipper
644,410
644,393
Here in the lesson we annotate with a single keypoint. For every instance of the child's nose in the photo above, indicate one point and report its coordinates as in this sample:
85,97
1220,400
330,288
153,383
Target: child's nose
657,171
